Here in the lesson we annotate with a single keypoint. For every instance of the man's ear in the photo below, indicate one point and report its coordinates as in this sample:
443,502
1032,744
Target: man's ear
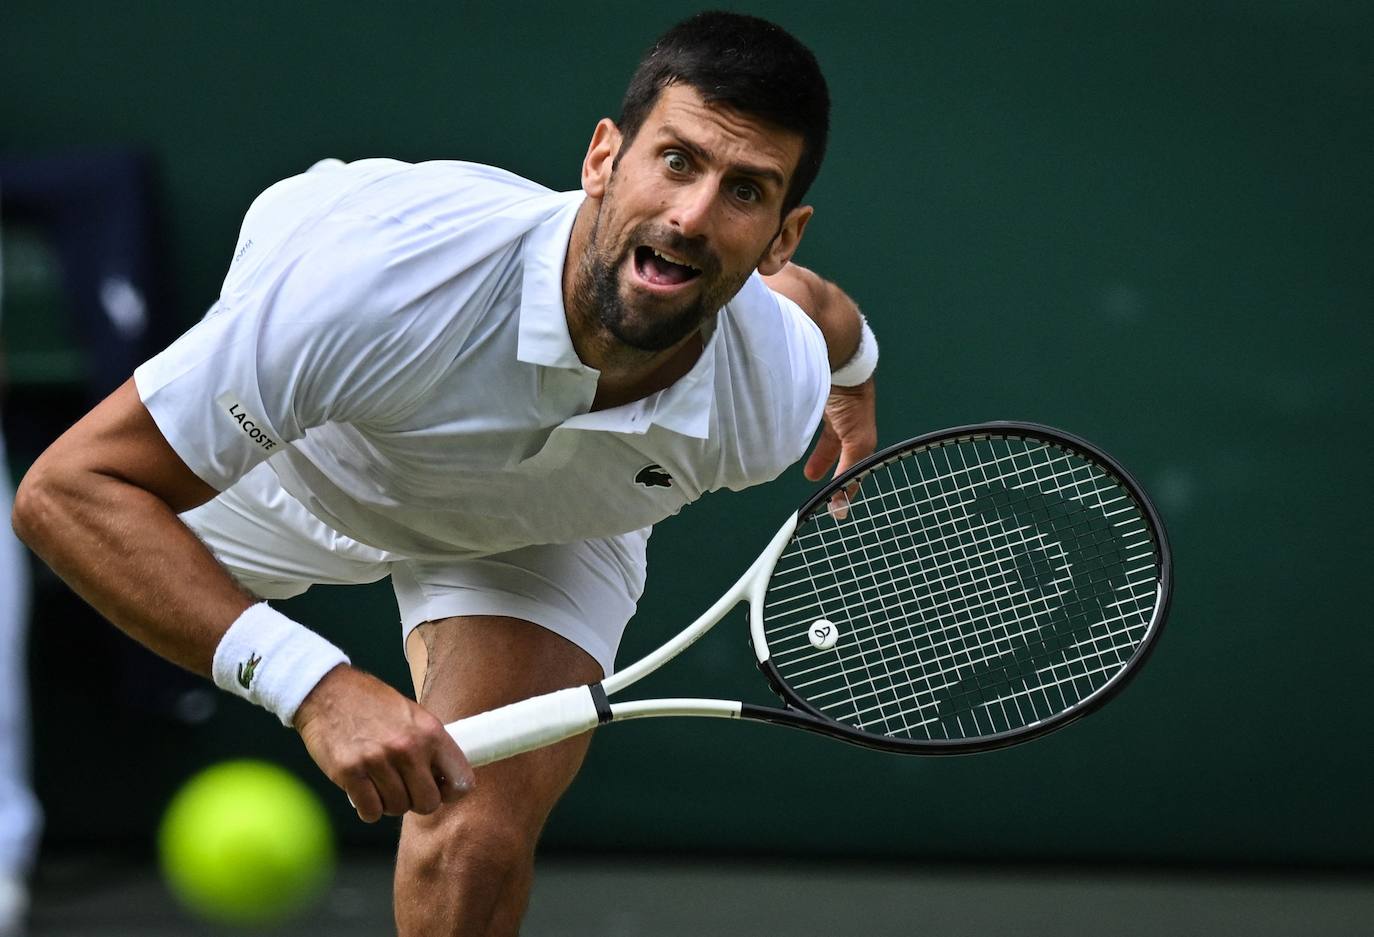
786,241
600,158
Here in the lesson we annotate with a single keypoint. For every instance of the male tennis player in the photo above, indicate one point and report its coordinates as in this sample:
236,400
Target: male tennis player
489,392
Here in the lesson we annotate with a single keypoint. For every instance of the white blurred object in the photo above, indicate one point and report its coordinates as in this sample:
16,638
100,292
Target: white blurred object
124,304
20,816
14,906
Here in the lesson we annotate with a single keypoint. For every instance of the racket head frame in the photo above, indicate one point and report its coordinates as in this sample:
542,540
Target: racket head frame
801,714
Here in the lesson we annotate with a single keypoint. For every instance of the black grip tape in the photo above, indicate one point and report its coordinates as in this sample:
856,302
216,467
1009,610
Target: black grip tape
602,704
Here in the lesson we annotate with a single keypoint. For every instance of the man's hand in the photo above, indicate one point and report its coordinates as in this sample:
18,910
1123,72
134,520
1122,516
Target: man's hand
388,753
850,430
849,433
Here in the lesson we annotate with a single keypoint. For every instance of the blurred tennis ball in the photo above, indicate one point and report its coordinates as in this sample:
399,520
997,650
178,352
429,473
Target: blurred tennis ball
246,843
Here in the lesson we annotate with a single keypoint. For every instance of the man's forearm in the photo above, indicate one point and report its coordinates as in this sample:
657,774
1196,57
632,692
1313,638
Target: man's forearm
124,551
100,507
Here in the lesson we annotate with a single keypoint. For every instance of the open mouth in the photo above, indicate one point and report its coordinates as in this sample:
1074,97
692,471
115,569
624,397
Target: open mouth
660,268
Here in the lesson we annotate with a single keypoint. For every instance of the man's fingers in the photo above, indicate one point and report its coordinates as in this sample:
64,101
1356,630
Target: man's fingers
823,456
398,782
389,754
395,799
851,455
422,789
364,798
452,768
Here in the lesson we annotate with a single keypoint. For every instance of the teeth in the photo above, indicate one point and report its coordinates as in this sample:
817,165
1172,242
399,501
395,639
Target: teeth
671,259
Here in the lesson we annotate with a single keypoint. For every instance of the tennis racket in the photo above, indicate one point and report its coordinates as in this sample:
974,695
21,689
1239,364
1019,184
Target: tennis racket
981,586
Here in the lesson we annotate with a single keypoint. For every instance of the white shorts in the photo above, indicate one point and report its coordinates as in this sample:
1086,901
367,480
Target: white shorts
276,549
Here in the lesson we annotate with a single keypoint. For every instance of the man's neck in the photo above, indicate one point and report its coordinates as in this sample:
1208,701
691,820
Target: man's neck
627,374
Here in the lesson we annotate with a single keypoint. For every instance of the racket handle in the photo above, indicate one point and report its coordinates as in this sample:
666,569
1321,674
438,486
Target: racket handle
528,724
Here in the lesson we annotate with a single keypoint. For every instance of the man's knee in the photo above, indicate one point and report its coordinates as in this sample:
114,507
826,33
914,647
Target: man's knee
465,839
464,871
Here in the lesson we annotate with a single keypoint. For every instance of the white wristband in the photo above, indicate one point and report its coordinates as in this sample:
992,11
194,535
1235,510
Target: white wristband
273,661
862,363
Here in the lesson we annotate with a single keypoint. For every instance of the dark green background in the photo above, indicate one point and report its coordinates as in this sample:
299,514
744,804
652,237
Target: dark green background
1151,224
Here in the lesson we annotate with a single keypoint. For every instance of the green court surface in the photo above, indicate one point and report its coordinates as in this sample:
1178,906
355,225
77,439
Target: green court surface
582,897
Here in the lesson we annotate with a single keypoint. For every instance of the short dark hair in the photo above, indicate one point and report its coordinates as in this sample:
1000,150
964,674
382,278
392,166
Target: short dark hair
748,64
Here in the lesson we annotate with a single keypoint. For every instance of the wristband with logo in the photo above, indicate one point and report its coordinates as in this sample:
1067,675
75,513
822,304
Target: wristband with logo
272,661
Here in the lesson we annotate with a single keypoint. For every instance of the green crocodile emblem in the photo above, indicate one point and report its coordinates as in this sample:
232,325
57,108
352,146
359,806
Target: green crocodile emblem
246,670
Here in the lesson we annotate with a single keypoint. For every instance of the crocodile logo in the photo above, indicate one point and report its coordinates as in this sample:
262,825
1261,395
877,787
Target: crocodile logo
653,476
247,669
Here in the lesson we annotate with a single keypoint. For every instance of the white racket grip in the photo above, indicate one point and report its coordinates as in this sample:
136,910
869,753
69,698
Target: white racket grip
528,724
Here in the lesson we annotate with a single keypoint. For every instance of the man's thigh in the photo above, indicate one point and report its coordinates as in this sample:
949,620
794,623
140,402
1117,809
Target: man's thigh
469,664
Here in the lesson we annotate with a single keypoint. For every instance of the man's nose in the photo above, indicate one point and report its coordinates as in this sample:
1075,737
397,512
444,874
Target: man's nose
690,212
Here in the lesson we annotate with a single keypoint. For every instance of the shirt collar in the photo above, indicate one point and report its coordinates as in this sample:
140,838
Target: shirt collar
683,407
544,338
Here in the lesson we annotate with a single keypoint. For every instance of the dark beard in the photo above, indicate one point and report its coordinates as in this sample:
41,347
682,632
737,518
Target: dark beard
598,293
645,333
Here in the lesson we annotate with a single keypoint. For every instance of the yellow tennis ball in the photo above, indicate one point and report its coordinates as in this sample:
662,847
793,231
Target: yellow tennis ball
246,843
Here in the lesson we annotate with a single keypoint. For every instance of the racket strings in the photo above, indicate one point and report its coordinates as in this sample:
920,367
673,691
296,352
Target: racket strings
1006,632
979,586
897,518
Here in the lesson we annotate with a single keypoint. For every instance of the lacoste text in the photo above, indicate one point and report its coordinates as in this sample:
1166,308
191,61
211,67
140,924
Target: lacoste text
254,432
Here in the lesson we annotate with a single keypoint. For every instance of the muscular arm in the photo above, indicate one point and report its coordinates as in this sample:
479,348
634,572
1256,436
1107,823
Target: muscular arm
850,431
100,507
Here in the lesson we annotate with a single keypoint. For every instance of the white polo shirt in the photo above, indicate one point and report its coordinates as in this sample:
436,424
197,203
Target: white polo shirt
391,341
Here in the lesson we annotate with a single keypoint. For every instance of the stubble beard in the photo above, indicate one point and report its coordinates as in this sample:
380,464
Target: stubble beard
598,292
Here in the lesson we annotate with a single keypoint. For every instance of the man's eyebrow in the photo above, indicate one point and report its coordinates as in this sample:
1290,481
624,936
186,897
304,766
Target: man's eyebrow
766,173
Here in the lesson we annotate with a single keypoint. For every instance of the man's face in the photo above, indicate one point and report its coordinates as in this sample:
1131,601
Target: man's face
689,210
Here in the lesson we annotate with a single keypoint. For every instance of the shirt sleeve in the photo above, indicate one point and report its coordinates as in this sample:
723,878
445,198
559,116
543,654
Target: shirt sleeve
779,383
310,328
808,362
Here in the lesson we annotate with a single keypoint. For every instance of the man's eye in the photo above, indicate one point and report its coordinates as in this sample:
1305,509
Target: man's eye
675,161
747,193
